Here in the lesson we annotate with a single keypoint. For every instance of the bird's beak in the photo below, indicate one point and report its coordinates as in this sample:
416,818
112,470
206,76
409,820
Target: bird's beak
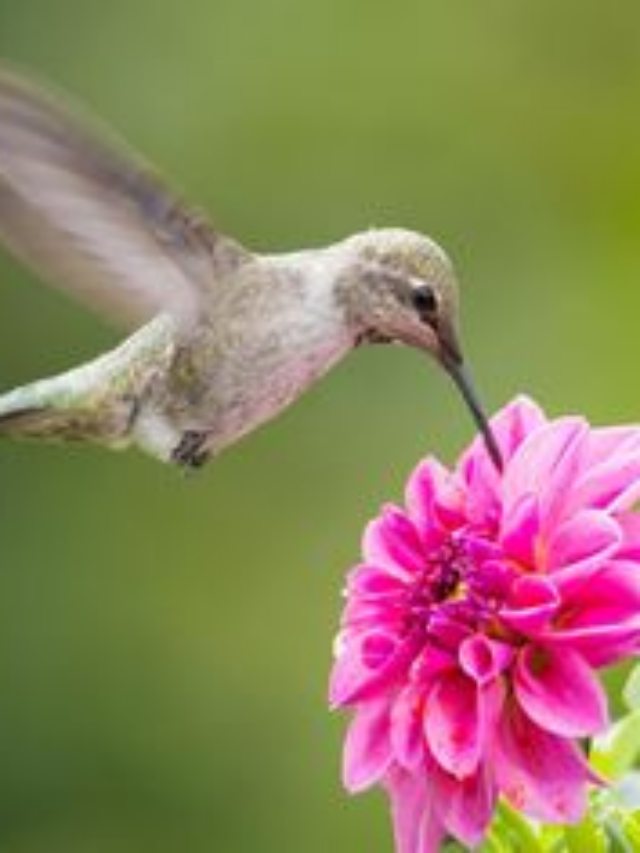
450,357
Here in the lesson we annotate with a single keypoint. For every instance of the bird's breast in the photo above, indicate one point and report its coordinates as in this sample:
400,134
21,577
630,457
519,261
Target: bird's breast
273,372
244,374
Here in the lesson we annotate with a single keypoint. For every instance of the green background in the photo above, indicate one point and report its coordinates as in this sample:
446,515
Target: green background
165,642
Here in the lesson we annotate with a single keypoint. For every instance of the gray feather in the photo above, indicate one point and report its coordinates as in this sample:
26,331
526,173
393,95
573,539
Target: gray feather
94,220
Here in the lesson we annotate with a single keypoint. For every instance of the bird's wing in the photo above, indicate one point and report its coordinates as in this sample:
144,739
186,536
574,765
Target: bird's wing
94,220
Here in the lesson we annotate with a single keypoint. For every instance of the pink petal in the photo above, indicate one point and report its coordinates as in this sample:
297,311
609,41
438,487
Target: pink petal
466,806
613,485
606,442
614,591
431,662
629,525
559,691
483,659
545,465
515,422
511,426
375,598
521,529
602,645
453,724
368,663
587,538
539,773
433,499
372,583
367,749
407,732
360,616
446,630
417,828
391,542
533,602
601,619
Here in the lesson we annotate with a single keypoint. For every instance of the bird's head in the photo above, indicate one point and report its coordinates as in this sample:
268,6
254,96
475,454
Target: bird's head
400,287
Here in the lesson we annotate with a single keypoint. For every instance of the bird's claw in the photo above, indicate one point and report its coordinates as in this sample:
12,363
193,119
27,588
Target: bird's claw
191,452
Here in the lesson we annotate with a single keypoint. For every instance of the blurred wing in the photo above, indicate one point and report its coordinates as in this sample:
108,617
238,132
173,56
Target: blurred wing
93,219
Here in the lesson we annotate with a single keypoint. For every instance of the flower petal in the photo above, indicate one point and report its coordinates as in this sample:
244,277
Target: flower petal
407,731
367,749
629,524
483,659
606,442
429,663
600,619
533,602
520,530
559,692
374,599
481,480
391,541
466,805
613,485
539,773
583,542
433,499
545,465
602,645
367,663
372,583
417,828
453,725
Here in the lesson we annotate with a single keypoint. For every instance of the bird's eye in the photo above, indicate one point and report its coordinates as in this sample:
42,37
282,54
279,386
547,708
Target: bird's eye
424,300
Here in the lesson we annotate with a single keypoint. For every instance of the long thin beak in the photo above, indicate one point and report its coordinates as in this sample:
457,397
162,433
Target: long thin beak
451,360
462,379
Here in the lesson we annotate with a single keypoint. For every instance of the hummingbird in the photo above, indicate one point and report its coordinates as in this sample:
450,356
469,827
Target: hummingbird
220,338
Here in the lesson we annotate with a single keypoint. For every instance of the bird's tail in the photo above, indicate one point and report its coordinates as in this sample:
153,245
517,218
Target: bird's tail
51,422
98,401
46,410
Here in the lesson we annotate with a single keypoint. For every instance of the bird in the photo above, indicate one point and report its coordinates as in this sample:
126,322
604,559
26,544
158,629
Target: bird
219,339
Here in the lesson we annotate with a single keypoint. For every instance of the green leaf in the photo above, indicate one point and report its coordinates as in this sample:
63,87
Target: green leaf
588,835
494,843
619,840
630,823
514,828
552,839
616,751
631,690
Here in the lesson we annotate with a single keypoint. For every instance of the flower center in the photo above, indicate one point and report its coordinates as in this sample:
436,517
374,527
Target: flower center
446,571
458,590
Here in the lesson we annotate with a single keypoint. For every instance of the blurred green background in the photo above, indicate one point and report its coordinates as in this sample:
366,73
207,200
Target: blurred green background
165,642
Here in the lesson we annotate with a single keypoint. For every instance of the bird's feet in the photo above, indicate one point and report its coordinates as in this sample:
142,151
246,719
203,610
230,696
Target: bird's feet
191,452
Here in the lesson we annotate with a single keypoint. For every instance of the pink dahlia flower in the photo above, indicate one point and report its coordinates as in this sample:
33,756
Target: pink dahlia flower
476,623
